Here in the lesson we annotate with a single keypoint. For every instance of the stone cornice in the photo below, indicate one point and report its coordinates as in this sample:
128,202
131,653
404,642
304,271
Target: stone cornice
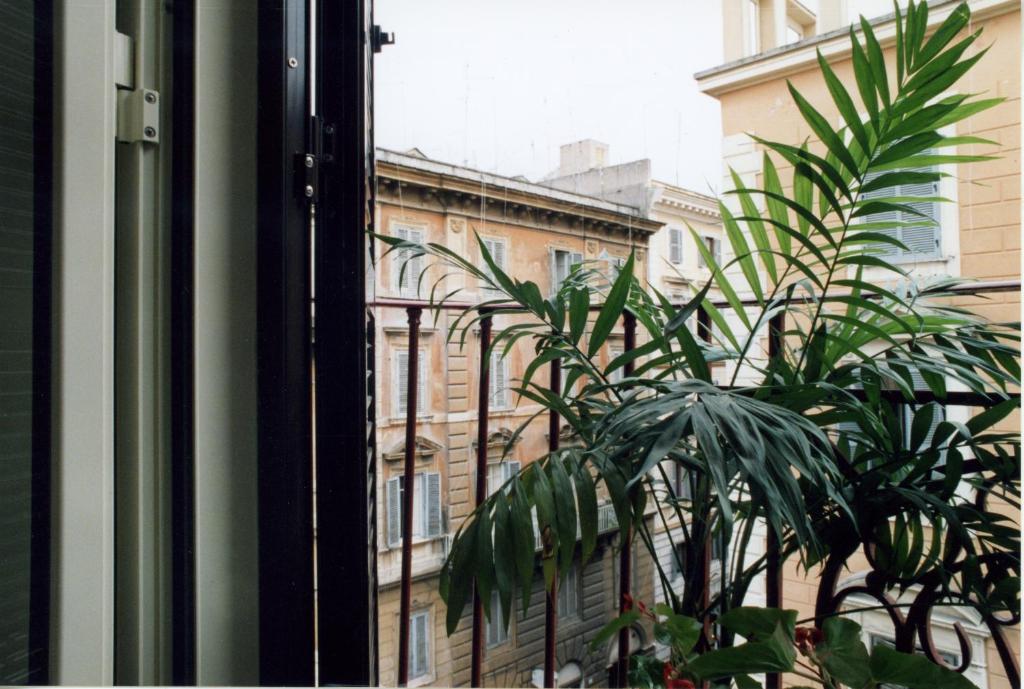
835,45
458,191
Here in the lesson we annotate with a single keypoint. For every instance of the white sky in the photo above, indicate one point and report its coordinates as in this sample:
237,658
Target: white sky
499,85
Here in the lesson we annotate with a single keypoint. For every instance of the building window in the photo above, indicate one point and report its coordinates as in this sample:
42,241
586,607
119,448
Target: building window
407,281
562,262
679,481
500,472
921,237
426,517
498,382
616,375
401,374
497,632
419,644
569,594
752,42
496,248
714,246
675,245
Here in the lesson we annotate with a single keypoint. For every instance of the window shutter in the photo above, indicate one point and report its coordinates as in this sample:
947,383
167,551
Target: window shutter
498,382
675,245
717,250
921,237
510,469
419,646
394,511
407,284
401,381
421,383
553,268
575,259
433,504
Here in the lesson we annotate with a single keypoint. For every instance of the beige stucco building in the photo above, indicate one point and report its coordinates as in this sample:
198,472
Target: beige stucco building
978,236
535,233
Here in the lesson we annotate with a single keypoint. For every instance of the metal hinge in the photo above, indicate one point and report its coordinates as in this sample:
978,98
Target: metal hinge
380,38
309,165
138,110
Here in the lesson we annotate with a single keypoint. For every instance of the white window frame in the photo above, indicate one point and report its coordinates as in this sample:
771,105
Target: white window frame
498,248
569,594
498,394
616,375
427,519
752,37
407,285
572,257
715,249
496,631
500,472
400,369
420,663
675,246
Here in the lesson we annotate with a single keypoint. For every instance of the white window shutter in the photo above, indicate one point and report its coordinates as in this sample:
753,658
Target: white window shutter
394,512
433,504
401,381
553,267
421,383
575,259
419,645
511,468
923,237
499,381
675,245
407,283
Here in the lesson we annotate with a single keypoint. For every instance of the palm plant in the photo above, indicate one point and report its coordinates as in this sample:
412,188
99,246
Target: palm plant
824,445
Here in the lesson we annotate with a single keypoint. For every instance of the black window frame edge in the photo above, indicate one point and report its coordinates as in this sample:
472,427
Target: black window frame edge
183,560
40,555
346,487
284,474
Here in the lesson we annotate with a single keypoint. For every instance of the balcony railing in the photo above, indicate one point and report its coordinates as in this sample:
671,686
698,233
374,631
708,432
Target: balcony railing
829,596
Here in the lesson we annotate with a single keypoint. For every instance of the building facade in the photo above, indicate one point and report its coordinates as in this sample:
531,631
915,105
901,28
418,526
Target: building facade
533,232
977,236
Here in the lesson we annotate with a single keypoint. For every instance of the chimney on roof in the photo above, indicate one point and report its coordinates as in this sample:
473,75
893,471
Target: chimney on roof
582,156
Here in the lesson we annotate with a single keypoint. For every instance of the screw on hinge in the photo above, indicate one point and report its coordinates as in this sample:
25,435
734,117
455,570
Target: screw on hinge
149,132
309,161
293,63
309,191
150,97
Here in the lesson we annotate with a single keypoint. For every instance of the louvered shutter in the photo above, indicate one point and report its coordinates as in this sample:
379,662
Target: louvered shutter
498,382
675,245
433,504
616,375
401,381
496,248
394,511
419,646
509,469
716,246
421,383
553,270
921,237
407,283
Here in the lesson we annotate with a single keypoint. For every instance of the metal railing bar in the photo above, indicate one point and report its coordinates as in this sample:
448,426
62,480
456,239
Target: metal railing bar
483,403
551,599
405,604
625,554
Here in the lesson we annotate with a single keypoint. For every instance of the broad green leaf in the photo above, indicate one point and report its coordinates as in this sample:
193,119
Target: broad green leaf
776,209
612,309
756,623
586,498
843,653
876,62
844,104
774,654
823,129
624,620
757,231
579,310
741,250
889,666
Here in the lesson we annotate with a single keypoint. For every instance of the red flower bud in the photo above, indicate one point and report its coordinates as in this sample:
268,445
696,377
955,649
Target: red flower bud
679,684
627,602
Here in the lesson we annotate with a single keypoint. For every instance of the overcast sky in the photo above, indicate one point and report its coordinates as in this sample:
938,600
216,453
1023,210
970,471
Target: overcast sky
500,84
